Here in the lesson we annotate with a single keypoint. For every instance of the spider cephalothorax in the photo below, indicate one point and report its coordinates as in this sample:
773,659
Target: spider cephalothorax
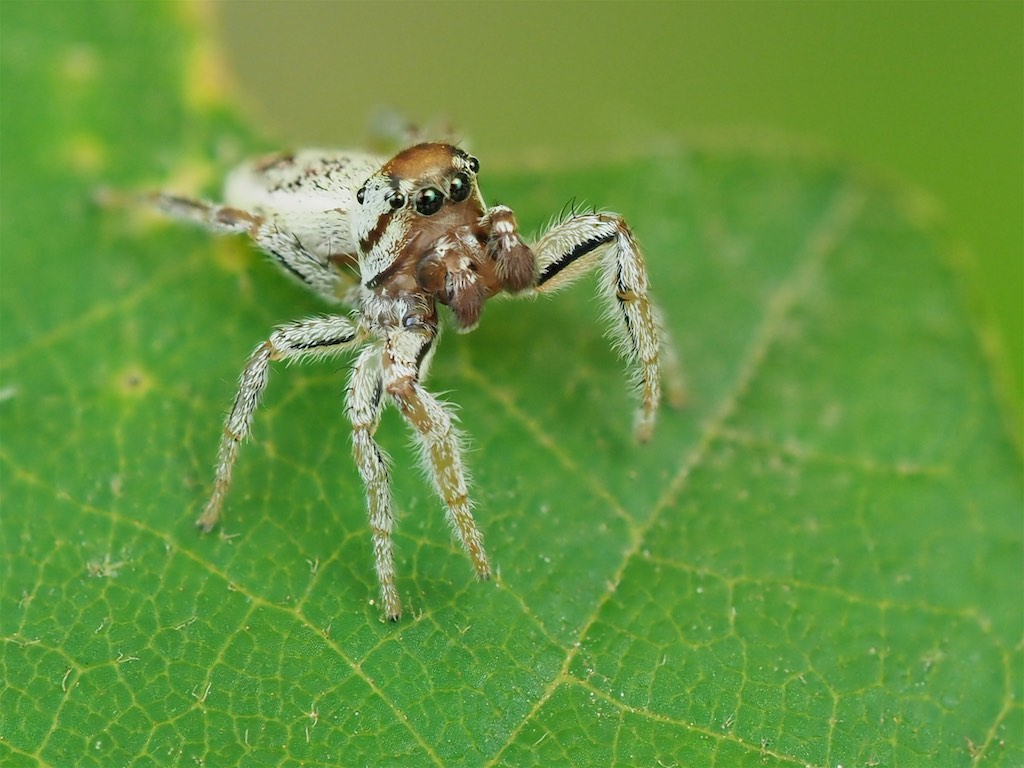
416,229
421,220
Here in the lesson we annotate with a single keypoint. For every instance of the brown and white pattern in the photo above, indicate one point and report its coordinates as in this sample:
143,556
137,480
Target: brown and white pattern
417,231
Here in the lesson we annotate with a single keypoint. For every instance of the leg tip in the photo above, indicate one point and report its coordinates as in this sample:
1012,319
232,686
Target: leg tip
391,603
482,568
207,520
643,429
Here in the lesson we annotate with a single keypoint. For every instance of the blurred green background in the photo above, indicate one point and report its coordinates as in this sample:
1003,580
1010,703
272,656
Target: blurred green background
932,93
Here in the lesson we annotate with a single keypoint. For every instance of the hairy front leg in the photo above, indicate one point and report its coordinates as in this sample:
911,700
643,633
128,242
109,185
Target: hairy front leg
604,241
439,440
364,407
312,338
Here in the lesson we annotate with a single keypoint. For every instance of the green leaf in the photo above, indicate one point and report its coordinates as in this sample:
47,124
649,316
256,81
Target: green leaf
817,562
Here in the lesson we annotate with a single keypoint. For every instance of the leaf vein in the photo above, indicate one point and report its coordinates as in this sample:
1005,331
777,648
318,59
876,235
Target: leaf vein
837,219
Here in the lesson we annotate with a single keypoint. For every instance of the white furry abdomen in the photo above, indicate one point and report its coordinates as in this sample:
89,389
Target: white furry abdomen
309,193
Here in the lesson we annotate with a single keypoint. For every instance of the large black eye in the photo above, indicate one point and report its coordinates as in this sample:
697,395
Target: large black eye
429,201
474,164
459,190
397,200
361,194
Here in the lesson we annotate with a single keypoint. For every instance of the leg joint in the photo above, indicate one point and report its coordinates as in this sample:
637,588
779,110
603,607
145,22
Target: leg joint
403,391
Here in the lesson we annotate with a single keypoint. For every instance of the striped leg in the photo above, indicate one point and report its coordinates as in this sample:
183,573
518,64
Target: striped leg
440,442
603,241
316,337
285,248
365,398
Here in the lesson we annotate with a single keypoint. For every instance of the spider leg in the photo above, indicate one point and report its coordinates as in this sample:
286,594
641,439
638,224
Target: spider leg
216,218
284,248
365,399
406,354
316,337
583,242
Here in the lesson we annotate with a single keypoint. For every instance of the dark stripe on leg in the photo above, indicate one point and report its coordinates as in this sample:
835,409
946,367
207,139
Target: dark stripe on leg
582,249
331,342
284,263
422,354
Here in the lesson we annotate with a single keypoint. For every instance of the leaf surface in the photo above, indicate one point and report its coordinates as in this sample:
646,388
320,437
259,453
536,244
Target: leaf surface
816,562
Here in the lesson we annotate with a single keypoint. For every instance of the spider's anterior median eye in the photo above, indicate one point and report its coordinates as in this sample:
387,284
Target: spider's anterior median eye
429,201
459,190
361,194
397,200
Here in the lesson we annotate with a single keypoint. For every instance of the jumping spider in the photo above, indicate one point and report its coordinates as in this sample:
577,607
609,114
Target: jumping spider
418,233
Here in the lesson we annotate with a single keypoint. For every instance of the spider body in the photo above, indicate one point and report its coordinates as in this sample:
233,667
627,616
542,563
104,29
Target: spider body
418,233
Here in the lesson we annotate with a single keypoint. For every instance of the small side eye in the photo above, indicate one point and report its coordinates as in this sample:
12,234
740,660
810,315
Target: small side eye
361,194
474,164
459,189
429,201
397,200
